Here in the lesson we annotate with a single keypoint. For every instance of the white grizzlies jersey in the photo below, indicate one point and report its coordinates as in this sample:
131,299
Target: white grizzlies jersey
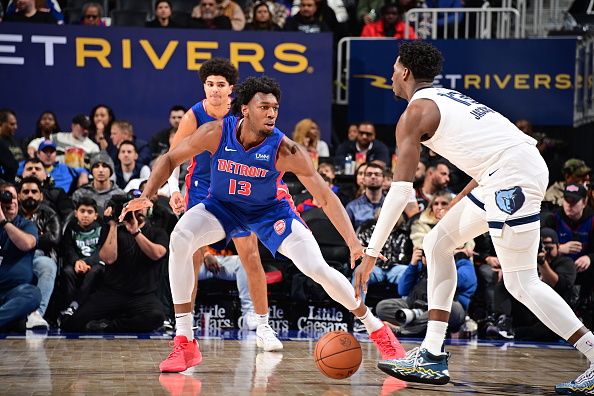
470,135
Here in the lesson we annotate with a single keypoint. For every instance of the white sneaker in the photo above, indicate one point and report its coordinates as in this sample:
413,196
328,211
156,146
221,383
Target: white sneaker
36,321
266,338
250,320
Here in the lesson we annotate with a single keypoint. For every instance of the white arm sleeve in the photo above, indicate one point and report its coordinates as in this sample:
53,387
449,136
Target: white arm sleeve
173,181
394,203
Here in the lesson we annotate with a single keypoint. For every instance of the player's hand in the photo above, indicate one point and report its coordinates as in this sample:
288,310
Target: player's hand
362,274
135,205
177,203
356,252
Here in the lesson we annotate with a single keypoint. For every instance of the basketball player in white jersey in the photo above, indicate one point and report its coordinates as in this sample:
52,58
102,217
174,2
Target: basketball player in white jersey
509,182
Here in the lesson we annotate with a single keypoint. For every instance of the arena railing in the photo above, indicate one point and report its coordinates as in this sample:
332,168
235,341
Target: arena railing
583,103
468,23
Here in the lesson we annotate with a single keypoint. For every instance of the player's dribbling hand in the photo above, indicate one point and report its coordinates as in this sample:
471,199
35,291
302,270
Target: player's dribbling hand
362,274
136,204
177,203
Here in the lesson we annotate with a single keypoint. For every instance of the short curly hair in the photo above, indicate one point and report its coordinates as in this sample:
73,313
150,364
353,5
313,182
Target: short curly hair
252,85
421,58
219,67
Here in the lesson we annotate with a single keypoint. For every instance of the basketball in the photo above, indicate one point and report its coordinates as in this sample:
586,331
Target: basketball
338,354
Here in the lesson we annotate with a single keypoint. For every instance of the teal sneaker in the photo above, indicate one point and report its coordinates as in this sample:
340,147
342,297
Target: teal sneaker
582,385
418,366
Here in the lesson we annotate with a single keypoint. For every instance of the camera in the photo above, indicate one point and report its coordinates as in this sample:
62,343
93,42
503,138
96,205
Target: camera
544,251
117,204
406,316
6,197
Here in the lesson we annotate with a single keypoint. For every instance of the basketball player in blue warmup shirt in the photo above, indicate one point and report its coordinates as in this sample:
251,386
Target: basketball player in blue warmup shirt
249,157
219,76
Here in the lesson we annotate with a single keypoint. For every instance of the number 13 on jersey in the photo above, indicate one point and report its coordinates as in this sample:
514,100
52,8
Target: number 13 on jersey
245,188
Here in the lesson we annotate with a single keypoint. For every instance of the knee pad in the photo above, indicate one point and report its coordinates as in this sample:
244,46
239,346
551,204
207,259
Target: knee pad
517,285
438,242
181,240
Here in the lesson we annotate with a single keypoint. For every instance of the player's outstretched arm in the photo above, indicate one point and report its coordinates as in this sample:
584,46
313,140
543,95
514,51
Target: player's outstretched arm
293,158
207,137
420,120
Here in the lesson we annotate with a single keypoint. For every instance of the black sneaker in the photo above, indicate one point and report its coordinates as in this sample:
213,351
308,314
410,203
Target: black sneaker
418,366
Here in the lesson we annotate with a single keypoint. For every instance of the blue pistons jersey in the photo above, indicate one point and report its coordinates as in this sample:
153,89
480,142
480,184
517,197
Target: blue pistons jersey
247,192
198,177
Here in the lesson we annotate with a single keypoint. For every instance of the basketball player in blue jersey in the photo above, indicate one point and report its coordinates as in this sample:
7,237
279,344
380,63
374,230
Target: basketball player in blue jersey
249,157
509,181
218,76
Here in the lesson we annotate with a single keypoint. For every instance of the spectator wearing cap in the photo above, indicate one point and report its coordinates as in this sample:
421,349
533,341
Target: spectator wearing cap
78,137
101,188
128,167
574,171
64,177
574,224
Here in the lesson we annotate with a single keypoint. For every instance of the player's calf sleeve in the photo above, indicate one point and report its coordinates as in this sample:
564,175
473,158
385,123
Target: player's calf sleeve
181,270
195,229
442,277
517,253
544,302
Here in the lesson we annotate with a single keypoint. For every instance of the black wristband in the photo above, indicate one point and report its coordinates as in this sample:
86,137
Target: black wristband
135,234
3,223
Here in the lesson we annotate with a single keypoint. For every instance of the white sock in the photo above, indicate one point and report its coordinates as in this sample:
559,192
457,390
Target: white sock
436,332
371,322
586,346
183,325
262,319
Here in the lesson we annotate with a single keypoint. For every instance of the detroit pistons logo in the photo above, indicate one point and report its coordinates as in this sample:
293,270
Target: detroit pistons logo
280,226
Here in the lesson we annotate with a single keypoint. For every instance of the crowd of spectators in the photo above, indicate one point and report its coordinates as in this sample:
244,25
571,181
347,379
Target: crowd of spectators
66,261
365,18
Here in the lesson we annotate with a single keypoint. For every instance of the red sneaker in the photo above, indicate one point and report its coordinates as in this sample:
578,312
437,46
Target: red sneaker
387,343
185,354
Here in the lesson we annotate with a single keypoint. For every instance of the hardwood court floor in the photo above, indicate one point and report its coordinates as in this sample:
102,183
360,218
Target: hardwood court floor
32,365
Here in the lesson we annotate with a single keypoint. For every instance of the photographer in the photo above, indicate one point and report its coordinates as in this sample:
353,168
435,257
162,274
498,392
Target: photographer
45,264
18,238
556,270
410,312
134,253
